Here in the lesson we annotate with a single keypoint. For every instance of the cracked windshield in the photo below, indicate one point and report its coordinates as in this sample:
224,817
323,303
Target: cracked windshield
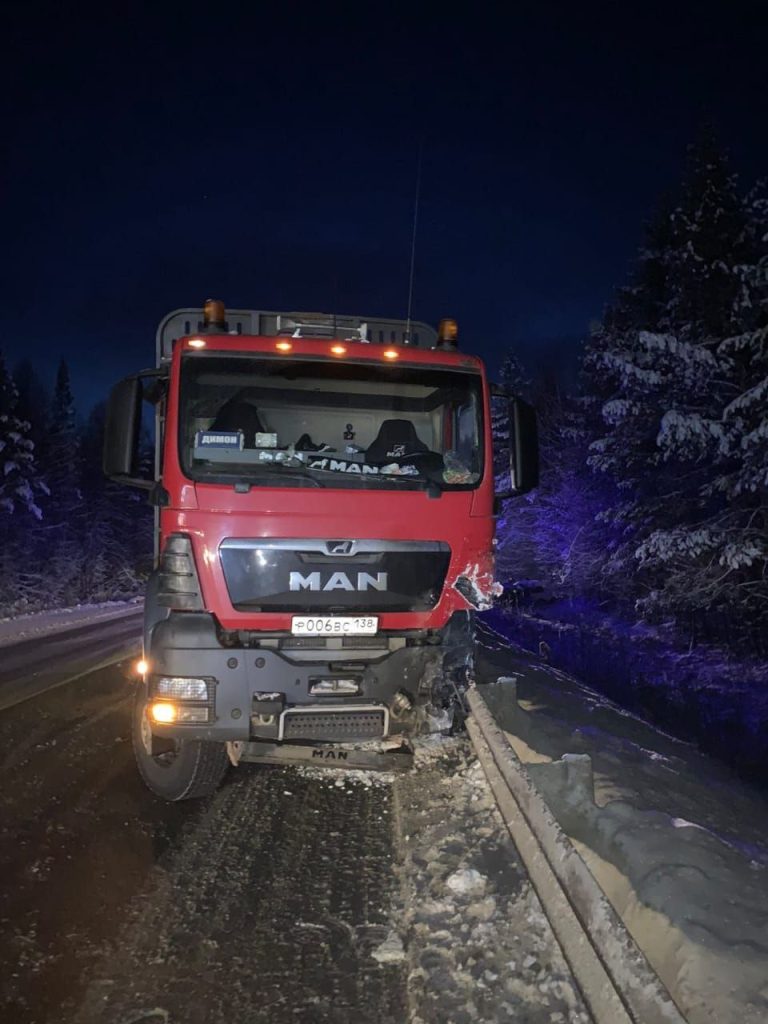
329,425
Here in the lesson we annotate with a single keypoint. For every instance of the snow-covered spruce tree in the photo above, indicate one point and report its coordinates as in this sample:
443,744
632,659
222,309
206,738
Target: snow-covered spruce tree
669,362
515,556
515,380
20,486
34,402
720,559
106,546
20,494
552,535
62,534
117,536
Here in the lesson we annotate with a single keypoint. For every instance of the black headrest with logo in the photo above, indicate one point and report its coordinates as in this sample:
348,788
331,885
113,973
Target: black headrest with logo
237,414
397,439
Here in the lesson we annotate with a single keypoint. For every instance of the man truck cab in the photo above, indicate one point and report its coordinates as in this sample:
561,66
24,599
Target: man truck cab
324,497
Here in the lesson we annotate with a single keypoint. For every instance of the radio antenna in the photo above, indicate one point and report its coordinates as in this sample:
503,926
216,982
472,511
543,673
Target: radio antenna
413,241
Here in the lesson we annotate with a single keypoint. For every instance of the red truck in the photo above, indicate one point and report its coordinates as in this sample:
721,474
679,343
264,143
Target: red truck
324,495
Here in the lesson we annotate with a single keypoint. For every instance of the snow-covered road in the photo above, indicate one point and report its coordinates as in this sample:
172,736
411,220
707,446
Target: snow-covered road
292,895
47,650
40,625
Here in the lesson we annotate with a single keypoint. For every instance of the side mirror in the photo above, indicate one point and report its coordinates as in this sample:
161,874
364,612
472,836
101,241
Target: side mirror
523,446
121,433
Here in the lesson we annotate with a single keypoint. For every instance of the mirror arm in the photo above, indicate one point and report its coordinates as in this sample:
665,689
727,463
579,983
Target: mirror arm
157,385
497,501
157,494
134,481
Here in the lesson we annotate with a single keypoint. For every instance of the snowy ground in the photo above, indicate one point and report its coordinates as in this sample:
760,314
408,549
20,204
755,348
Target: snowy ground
42,624
679,844
718,701
478,947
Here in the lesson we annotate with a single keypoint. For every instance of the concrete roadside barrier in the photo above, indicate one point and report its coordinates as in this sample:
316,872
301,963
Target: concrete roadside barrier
616,980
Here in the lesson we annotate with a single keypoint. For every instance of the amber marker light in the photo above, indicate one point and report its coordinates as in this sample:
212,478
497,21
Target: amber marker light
390,353
214,314
338,350
284,346
163,712
142,667
196,343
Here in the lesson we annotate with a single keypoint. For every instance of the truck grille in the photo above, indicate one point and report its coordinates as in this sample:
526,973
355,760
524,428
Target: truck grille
309,576
328,726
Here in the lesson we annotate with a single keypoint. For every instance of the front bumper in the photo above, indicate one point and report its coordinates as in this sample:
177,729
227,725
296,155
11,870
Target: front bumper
256,686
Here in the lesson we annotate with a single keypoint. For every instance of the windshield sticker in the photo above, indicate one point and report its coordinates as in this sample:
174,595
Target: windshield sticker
339,465
219,439
289,457
265,440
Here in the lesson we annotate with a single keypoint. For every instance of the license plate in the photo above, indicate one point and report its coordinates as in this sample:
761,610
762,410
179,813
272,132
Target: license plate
334,625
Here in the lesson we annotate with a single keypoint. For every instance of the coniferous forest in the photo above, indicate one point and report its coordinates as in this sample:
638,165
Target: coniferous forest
67,535
653,503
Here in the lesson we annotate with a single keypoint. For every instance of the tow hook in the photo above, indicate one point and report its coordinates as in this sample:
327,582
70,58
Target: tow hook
402,705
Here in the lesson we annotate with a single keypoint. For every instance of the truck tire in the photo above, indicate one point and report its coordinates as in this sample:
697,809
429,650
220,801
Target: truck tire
175,769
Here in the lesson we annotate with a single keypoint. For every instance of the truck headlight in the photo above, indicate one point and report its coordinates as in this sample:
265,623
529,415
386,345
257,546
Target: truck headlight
181,688
163,712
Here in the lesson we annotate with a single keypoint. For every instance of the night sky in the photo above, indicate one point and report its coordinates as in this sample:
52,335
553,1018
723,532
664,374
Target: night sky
152,160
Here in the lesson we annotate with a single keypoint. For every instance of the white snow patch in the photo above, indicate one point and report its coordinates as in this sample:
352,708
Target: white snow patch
346,777
390,951
467,882
682,823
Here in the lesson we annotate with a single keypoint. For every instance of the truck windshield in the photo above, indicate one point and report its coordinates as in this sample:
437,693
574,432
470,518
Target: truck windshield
312,423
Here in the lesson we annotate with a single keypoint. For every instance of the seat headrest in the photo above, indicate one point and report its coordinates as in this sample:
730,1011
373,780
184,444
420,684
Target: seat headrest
397,439
237,414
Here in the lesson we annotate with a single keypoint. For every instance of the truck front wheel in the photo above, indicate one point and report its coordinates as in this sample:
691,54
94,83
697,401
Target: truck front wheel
175,769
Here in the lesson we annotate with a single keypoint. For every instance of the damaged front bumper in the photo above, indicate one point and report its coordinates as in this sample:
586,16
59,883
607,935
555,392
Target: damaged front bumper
478,587
279,689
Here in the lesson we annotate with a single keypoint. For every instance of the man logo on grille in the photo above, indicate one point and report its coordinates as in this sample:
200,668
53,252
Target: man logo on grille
337,581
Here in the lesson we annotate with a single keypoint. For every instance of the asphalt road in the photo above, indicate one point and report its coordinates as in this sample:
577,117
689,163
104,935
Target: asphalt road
41,663
276,900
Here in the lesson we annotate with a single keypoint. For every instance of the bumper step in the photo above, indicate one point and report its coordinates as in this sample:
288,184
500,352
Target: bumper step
383,759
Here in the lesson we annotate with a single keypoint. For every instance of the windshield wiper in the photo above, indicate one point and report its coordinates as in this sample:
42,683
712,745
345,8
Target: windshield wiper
243,486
